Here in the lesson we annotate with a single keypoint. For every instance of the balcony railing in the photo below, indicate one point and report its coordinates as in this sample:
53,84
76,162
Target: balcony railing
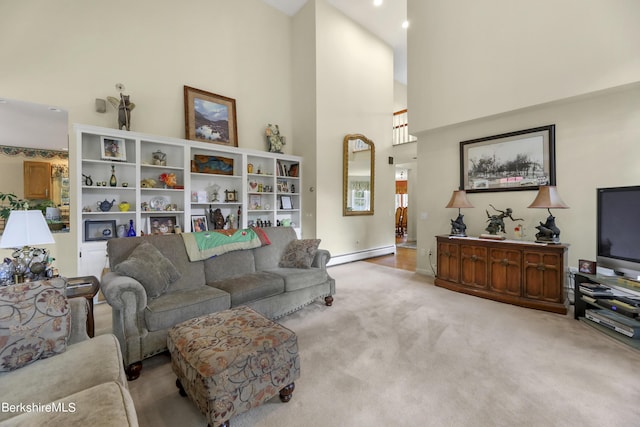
401,133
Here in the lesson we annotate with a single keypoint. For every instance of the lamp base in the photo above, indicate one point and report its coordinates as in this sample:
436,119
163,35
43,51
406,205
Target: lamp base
452,234
492,236
548,240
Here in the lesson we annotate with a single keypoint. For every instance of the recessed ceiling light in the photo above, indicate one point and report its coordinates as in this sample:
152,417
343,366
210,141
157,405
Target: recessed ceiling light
377,2
405,24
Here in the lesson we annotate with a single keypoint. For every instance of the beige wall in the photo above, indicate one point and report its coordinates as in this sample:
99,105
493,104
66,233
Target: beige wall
353,91
596,146
67,53
343,83
474,59
484,69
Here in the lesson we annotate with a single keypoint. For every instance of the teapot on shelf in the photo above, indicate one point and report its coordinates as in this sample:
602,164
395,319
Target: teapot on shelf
159,158
106,205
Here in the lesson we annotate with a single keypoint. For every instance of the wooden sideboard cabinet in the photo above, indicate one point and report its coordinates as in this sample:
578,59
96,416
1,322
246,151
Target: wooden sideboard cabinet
522,273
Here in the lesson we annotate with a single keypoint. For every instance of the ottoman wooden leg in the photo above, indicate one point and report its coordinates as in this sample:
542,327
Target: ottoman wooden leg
133,371
287,392
328,300
180,388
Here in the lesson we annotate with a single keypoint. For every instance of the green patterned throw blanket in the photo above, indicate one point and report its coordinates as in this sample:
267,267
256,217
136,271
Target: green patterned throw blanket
205,244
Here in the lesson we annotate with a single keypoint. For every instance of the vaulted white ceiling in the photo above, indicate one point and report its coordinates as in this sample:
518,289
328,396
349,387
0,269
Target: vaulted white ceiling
385,21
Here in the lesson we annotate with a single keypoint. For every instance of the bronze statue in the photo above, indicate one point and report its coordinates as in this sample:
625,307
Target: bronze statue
496,222
217,219
458,227
124,107
548,232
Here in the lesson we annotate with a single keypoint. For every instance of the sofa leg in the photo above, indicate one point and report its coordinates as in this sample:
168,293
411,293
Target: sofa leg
133,371
287,393
328,300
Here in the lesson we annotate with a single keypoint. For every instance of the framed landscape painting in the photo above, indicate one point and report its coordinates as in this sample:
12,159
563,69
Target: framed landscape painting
210,117
521,160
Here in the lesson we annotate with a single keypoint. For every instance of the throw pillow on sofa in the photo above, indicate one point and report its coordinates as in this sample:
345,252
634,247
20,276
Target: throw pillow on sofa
148,266
300,253
35,322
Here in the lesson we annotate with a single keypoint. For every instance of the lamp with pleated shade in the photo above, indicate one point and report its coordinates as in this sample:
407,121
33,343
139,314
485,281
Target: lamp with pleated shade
23,230
548,198
459,200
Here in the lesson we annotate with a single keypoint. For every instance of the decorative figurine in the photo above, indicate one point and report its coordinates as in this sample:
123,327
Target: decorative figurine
496,222
87,180
275,140
215,189
217,219
159,158
458,227
548,232
124,107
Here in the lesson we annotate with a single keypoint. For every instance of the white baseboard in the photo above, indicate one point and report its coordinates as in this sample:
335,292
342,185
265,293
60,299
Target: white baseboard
357,256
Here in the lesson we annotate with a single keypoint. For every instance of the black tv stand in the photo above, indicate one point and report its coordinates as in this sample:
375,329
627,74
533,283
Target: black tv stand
584,302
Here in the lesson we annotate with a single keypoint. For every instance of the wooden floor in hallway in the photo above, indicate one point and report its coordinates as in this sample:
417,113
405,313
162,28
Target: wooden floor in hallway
404,258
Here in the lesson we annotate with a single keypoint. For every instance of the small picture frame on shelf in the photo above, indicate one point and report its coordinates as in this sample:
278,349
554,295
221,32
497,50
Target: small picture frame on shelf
255,202
199,196
283,187
199,223
285,202
585,266
162,224
230,196
99,230
113,149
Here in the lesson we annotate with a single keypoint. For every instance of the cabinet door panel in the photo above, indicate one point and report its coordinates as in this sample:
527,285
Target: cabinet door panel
448,262
543,276
37,180
473,260
505,270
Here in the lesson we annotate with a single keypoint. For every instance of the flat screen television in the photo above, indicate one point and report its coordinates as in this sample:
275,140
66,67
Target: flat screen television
619,230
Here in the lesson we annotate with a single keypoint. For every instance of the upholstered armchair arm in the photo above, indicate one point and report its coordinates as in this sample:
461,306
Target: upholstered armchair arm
79,308
321,259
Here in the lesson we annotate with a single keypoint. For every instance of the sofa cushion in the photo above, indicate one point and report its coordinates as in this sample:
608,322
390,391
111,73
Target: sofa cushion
249,287
35,322
175,307
172,247
300,253
229,265
83,365
149,267
300,278
268,257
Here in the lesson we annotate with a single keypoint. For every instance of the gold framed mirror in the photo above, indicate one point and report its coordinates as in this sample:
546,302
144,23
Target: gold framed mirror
358,172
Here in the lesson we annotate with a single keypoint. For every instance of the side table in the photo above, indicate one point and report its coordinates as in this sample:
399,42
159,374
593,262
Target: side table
86,287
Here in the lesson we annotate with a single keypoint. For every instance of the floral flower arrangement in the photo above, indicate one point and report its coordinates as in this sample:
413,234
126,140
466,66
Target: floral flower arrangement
169,179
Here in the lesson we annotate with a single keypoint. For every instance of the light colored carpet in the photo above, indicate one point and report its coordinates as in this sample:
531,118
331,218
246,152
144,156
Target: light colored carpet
396,350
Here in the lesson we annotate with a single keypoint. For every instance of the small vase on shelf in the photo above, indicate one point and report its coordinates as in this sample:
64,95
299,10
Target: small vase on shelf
132,230
113,181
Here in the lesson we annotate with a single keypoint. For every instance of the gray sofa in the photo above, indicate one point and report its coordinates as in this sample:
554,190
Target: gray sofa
84,385
249,277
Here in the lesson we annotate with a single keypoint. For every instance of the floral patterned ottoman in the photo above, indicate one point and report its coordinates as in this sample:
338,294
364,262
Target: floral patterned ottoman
231,361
